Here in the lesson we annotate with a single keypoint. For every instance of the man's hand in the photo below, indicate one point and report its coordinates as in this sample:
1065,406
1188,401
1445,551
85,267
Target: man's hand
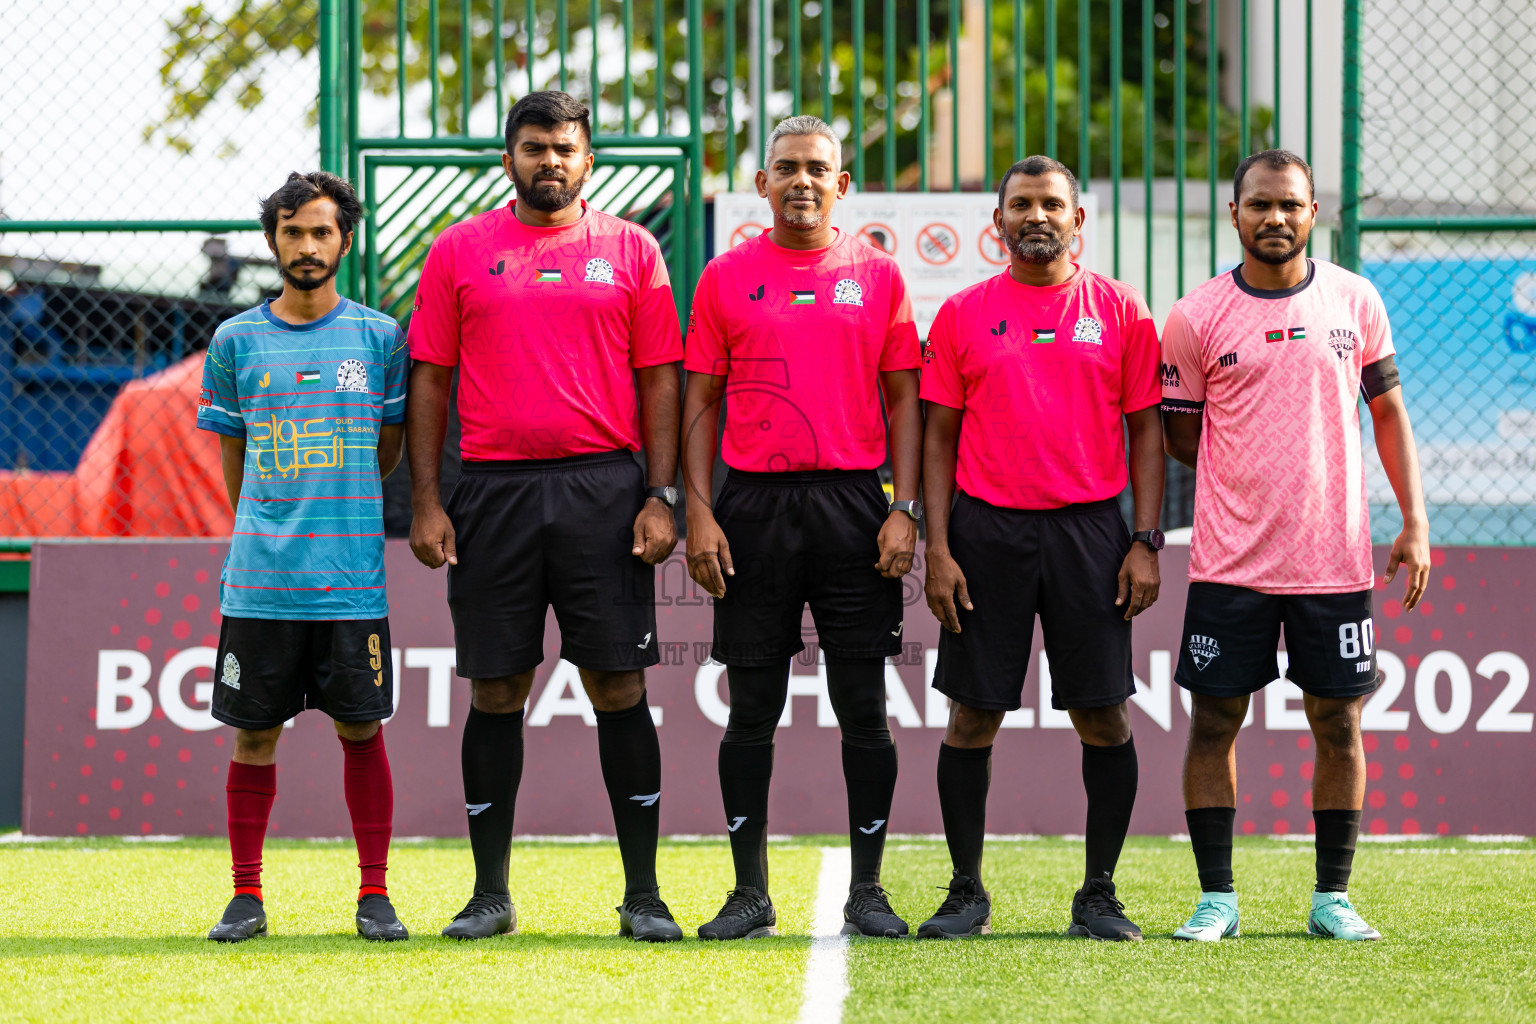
432,538
1411,551
709,555
655,531
1139,580
945,589
898,545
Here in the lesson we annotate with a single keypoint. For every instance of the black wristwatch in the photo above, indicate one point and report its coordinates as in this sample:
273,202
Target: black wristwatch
666,494
913,508
1151,538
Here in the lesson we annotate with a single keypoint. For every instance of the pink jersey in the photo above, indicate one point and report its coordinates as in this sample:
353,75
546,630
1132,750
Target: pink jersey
803,336
1279,482
546,326
1044,376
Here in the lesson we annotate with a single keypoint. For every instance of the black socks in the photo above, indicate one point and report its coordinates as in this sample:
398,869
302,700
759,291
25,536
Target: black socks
745,771
1109,778
1210,833
630,755
1336,835
870,773
492,759
964,777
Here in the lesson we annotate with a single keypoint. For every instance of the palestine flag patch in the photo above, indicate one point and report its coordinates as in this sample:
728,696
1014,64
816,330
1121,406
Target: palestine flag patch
1043,337
803,298
1274,335
547,276
1296,334
309,376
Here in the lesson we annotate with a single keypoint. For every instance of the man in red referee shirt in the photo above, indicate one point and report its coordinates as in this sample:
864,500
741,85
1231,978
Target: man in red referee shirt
1031,381
803,329
551,312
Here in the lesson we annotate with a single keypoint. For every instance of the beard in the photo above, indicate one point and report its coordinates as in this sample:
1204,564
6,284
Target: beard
546,200
1275,259
1039,250
309,284
802,218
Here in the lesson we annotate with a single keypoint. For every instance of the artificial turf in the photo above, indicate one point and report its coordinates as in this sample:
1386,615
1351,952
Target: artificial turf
102,929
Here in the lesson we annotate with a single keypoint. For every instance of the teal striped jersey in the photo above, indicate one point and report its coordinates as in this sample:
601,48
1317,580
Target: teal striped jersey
309,400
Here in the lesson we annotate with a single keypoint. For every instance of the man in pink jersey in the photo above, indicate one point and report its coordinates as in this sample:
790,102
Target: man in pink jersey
1262,372
1032,380
802,330
553,313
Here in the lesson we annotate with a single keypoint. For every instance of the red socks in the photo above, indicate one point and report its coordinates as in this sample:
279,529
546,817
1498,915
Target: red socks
371,799
250,791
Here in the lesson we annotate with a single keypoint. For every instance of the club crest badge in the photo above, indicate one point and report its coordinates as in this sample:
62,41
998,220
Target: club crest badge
352,375
599,271
1203,650
1090,330
231,676
847,293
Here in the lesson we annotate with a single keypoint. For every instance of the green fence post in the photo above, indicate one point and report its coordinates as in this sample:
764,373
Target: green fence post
695,219
330,86
1349,169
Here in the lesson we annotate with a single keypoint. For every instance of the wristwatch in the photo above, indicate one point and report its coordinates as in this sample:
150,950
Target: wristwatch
913,508
1151,538
666,494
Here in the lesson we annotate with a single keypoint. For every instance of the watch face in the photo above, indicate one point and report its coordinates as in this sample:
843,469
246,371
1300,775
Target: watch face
1153,538
669,496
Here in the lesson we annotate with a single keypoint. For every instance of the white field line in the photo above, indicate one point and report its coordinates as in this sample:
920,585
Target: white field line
826,969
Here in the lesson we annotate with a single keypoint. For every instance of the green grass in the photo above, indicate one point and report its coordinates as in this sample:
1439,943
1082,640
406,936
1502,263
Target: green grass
101,929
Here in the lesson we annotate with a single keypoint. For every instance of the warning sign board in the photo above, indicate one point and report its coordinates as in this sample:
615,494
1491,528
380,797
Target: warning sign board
943,241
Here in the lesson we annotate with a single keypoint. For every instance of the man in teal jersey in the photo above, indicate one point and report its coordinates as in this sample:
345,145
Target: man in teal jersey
307,393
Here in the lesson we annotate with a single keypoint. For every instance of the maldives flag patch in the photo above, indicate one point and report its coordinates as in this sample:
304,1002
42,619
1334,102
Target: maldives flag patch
1296,334
803,298
1043,337
547,276
309,376
1274,335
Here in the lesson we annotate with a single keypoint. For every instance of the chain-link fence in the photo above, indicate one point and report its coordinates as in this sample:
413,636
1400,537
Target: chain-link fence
1448,185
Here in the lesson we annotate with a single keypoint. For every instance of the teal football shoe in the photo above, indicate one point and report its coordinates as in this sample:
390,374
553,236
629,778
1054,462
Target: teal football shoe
1333,917
1214,919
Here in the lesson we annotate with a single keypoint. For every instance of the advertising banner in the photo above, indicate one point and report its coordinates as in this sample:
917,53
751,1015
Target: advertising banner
120,741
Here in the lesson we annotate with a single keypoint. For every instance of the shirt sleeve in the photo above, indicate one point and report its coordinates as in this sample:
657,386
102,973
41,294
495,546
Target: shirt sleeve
706,350
218,404
394,379
1183,370
1139,387
901,351
1378,329
434,331
942,380
654,336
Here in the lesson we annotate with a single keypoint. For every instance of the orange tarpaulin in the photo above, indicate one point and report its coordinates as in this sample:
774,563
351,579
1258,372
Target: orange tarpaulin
147,472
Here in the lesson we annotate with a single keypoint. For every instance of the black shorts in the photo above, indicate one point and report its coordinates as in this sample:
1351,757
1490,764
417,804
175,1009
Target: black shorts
797,538
1062,564
531,533
268,670
1231,633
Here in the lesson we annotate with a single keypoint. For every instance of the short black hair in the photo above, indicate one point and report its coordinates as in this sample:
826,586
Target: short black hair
1035,167
549,109
1275,160
303,188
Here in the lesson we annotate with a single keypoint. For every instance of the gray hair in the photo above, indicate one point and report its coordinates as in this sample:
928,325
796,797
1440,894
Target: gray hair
805,124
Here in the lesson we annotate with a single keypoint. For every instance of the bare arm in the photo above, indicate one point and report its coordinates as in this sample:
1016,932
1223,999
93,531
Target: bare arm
1181,437
709,555
904,410
391,441
945,584
426,419
1139,579
660,390
232,462
1400,460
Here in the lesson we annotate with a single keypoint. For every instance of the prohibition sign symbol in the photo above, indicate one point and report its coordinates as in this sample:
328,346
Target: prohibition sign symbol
938,244
744,232
991,245
879,236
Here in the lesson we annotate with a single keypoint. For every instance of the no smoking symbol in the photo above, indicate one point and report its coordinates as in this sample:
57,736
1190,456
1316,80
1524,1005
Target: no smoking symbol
991,245
745,232
938,244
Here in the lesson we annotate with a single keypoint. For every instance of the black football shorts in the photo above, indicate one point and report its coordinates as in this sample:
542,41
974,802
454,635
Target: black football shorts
268,670
1231,634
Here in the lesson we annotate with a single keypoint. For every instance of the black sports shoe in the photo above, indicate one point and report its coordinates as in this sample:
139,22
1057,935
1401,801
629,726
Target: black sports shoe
486,914
967,910
747,914
643,916
868,912
1096,914
244,918
376,919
